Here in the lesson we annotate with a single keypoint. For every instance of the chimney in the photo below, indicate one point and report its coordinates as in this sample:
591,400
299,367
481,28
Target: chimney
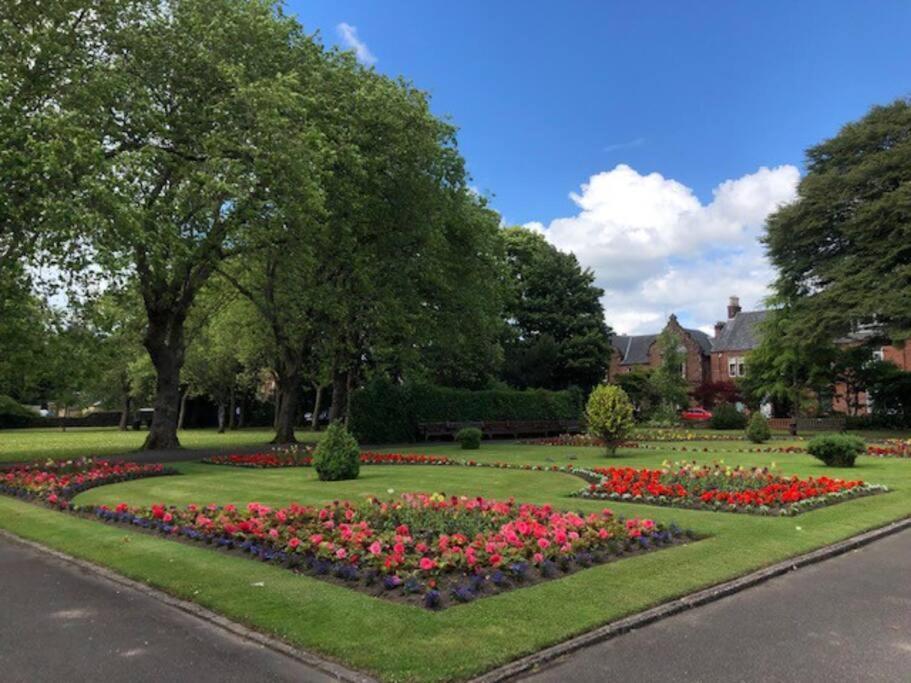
733,306
718,327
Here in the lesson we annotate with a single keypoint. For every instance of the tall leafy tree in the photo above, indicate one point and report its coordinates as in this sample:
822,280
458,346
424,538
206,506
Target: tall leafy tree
668,379
200,109
789,367
843,249
48,51
557,336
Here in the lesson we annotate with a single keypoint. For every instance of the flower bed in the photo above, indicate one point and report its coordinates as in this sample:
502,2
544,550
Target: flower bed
721,488
891,448
425,549
283,459
663,435
58,482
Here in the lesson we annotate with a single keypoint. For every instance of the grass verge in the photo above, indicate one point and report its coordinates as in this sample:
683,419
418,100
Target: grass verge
401,642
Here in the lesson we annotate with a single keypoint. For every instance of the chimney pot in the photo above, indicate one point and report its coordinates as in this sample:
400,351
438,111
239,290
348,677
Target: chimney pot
719,326
733,306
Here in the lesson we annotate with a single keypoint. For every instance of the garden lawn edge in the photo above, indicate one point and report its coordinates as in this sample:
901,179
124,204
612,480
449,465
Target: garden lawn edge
702,597
334,669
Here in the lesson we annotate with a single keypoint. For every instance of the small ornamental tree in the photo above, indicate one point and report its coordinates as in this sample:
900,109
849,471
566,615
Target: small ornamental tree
609,413
337,456
758,430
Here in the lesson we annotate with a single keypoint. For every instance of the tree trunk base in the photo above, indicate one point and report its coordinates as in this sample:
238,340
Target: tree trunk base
160,442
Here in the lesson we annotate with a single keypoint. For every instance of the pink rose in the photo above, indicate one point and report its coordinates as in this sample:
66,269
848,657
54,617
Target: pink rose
375,548
543,543
427,564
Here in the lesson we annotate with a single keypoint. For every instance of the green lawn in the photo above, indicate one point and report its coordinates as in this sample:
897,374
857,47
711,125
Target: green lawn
402,642
44,443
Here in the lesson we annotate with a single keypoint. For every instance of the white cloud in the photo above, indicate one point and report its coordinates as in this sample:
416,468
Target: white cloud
656,249
352,41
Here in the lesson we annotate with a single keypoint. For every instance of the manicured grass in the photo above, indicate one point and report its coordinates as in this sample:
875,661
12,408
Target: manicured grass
401,642
44,443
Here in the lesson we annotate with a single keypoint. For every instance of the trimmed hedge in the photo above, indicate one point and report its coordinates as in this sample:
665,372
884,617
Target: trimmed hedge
837,450
384,412
470,438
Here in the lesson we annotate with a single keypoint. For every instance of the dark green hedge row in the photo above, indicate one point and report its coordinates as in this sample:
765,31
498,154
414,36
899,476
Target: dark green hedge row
383,412
13,415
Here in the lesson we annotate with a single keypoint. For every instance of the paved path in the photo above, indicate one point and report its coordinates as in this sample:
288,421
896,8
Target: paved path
846,619
61,623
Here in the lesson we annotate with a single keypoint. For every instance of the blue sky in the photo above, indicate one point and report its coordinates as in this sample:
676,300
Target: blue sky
668,112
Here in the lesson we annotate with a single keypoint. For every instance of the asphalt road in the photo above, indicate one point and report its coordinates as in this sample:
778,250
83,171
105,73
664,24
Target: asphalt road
61,623
846,619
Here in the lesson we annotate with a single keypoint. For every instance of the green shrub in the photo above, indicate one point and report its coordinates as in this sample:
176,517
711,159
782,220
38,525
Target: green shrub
726,416
386,412
838,450
470,438
609,415
14,416
758,430
665,416
337,456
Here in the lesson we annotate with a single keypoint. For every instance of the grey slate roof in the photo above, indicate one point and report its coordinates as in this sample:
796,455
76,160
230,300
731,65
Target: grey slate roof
740,333
634,349
704,340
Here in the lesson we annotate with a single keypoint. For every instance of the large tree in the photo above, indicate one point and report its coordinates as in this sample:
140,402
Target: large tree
843,249
200,108
557,335
48,51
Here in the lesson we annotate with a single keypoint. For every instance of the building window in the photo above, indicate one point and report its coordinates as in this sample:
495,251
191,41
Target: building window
683,369
879,354
736,367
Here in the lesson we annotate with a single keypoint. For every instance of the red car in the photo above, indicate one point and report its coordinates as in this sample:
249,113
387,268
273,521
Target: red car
696,414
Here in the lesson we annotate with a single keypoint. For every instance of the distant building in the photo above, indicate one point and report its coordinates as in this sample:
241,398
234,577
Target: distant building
722,358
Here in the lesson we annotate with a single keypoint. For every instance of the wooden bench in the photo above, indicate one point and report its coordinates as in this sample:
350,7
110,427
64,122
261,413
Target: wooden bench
494,428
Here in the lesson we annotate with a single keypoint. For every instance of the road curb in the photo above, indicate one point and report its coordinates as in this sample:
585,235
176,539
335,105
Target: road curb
703,597
325,666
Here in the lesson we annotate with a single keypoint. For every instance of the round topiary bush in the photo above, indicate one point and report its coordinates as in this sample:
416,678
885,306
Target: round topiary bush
726,416
470,438
758,430
609,414
838,450
337,456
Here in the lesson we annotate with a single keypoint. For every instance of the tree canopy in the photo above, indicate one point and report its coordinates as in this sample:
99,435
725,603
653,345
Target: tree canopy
556,334
843,248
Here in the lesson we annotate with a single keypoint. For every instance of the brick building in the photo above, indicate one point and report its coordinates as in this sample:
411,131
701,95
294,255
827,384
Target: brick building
641,351
722,358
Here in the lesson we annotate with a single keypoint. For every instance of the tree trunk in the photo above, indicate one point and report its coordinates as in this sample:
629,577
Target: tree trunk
240,415
288,389
183,408
125,414
165,344
337,410
232,404
349,380
317,405
221,417
277,407
66,414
